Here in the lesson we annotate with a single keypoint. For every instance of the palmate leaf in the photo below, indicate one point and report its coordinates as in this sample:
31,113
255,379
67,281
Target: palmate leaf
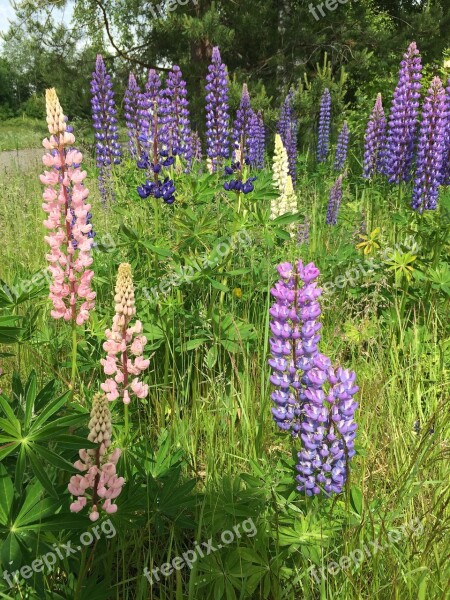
6,495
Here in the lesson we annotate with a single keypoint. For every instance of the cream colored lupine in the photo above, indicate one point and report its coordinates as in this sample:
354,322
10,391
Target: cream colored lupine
56,120
280,165
125,345
98,467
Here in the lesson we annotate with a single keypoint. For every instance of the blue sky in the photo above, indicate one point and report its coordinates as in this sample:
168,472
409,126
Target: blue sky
7,12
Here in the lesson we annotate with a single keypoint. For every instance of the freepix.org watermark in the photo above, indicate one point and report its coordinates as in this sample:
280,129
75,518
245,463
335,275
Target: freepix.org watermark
47,562
188,558
159,10
318,11
359,555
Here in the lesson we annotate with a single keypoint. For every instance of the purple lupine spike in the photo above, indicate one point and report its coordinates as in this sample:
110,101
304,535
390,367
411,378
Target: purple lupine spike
241,125
445,175
323,144
105,124
375,141
342,147
334,202
303,233
255,139
196,146
287,128
430,150
217,111
178,122
132,116
313,401
261,141
151,103
403,118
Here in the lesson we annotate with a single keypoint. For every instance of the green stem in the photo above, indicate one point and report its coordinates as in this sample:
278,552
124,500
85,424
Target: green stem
74,358
127,422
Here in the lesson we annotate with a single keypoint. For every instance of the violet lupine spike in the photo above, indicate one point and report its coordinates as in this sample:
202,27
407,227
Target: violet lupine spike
261,141
152,101
342,147
255,137
375,141
105,125
445,175
287,128
334,202
402,130
323,144
196,146
217,112
178,125
430,150
313,401
132,116
241,127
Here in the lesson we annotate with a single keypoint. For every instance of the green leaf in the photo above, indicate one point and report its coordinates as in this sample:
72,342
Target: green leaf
217,285
356,499
11,554
30,396
50,410
287,219
6,495
14,422
193,344
20,468
40,473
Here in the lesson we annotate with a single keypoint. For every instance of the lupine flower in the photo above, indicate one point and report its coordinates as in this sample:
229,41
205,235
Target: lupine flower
177,129
125,345
334,202
403,118
303,233
217,112
105,124
241,127
324,127
287,128
70,230
375,141
342,147
280,166
313,400
196,146
445,177
286,203
98,466
430,151
256,141
132,115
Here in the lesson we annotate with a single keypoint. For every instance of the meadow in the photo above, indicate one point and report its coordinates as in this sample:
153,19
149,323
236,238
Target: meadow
209,505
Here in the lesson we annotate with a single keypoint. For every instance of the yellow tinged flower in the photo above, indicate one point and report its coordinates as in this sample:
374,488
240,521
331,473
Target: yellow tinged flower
124,298
56,120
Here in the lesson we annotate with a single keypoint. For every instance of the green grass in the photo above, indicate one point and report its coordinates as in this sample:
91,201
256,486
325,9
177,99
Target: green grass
20,133
213,404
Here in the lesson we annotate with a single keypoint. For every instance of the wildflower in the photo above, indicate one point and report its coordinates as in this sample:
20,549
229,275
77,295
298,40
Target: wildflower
403,118
98,466
375,141
241,127
342,147
133,116
287,128
430,151
125,345
312,400
324,127
303,232
69,220
105,124
256,141
176,133
334,202
217,111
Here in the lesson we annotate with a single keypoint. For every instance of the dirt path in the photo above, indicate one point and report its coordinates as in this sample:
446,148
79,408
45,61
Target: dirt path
20,160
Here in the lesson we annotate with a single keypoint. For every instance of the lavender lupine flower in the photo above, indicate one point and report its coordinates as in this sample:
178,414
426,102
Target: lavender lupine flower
324,127
375,140
217,111
313,401
445,175
105,125
430,152
132,116
177,126
287,128
257,141
403,118
334,202
342,147
241,127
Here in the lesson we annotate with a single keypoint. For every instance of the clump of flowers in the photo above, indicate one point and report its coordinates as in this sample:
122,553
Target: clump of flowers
342,147
217,112
323,144
431,146
69,220
125,345
403,118
313,400
375,141
334,202
105,124
98,466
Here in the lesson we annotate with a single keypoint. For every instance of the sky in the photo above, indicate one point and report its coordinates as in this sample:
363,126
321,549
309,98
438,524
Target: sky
7,12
